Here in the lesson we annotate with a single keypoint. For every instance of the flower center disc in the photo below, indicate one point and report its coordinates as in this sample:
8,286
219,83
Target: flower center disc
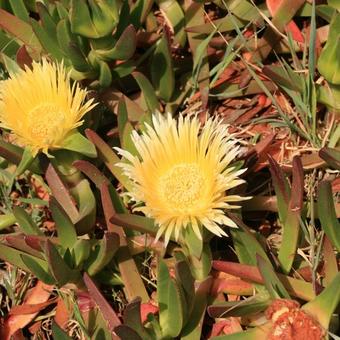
44,120
181,186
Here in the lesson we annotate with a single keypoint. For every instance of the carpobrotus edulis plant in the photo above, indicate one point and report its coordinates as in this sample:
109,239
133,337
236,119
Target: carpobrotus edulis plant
182,175
40,106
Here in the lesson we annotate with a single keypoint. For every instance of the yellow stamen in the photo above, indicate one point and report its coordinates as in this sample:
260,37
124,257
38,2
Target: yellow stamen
181,186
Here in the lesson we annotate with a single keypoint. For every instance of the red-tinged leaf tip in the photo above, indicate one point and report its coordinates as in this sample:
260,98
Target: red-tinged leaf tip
108,313
88,169
278,177
296,201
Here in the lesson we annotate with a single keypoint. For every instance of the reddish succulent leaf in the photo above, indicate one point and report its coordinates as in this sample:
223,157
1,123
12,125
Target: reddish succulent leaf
229,284
110,159
135,222
228,326
91,172
20,29
23,58
28,308
61,314
260,150
336,185
10,152
37,242
278,177
262,146
264,101
18,335
108,313
126,332
291,27
284,14
84,301
296,200
37,295
281,187
291,224
133,283
61,193
146,309
295,287
109,210
18,241
133,317
331,156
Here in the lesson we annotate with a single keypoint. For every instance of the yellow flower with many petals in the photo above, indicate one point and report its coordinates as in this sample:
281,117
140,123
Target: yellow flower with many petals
41,107
182,175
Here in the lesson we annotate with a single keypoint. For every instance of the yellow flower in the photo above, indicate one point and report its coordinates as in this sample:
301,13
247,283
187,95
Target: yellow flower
41,107
183,173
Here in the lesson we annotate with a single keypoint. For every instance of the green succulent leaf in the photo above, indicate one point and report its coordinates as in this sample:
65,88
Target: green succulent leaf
125,128
139,12
58,333
69,45
48,42
14,257
19,10
86,202
26,161
77,142
323,306
251,305
6,220
162,72
93,19
335,4
105,251
327,214
81,251
329,60
148,92
25,221
124,48
48,23
66,231
291,225
135,222
41,272
172,10
61,272
169,301
193,327
274,286
105,75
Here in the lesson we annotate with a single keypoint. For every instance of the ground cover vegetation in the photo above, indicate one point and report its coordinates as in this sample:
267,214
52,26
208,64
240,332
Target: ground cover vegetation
169,169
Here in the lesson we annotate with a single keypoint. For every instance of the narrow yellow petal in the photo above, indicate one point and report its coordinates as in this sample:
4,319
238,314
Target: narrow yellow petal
182,174
40,106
